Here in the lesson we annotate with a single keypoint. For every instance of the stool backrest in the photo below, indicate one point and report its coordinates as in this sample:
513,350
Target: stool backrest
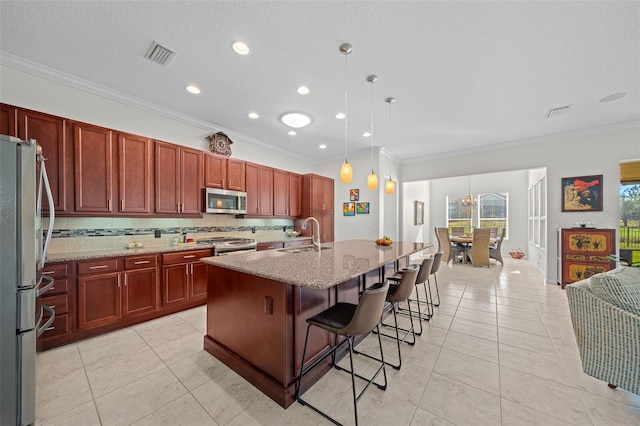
405,286
436,261
369,310
424,271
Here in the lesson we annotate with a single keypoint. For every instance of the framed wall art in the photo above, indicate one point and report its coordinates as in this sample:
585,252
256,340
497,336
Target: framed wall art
419,213
362,208
348,209
582,193
354,195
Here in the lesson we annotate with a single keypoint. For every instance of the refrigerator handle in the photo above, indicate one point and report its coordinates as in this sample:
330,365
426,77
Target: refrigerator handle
42,328
44,181
43,290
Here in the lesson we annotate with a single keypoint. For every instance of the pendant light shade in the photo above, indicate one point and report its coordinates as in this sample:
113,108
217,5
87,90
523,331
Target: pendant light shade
372,180
346,171
390,186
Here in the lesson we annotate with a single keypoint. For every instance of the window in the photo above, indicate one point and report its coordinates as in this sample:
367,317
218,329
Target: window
490,212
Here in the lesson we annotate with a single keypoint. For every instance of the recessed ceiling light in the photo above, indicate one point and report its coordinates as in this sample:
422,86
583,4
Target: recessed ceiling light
322,146
253,115
340,115
295,120
366,134
240,47
192,88
303,90
613,97
291,133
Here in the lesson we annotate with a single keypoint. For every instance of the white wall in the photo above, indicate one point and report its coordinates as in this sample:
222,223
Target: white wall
598,151
412,192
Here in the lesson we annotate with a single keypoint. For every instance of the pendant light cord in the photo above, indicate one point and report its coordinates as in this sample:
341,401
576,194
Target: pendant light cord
372,81
346,115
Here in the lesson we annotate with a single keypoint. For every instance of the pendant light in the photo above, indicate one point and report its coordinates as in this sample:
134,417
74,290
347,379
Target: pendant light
390,186
372,180
346,172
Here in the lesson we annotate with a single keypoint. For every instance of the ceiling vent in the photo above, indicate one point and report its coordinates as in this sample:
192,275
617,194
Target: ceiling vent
160,54
557,111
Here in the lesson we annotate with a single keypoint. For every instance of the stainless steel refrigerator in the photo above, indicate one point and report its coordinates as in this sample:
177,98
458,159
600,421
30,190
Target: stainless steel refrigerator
22,256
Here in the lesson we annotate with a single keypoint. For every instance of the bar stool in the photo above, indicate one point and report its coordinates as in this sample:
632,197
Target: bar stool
349,320
423,270
397,294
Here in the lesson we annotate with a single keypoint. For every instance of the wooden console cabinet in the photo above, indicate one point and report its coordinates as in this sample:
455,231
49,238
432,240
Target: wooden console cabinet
582,252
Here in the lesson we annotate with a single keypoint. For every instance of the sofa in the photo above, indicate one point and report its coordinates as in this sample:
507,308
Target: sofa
605,312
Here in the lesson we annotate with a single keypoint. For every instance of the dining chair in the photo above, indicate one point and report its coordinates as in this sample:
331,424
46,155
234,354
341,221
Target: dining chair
458,231
449,251
479,253
495,251
494,232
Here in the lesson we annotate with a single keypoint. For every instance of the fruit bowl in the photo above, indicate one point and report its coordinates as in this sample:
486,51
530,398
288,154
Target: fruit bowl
384,241
292,233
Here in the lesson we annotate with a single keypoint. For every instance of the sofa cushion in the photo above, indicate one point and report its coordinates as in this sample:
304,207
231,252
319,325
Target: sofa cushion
620,287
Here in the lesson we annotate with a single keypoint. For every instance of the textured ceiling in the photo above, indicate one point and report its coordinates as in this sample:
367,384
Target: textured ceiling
465,74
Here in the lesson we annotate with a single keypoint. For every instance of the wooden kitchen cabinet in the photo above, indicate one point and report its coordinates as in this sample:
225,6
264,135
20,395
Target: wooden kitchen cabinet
135,173
184,277
583,252
8,123
286,193
94,179
178,179
60,297
109,291
317,201
224,173
50,133
259,183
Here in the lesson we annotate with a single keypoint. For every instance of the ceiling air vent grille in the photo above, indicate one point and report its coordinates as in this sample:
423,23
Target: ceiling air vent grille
160,54
557,111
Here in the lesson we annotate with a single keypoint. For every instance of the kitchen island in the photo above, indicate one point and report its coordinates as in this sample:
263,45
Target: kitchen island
258,303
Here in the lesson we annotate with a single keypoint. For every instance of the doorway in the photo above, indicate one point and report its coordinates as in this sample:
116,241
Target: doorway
629,223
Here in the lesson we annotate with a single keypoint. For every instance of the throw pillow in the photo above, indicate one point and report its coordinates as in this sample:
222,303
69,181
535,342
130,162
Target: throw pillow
620,287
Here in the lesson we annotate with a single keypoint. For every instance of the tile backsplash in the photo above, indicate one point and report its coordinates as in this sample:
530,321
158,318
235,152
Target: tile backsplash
72,234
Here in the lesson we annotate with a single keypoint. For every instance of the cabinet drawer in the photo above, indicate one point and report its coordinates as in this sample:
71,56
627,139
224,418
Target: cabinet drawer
59,303
269,246
184,256
138,262
61,325
97,266
297,243
56,270
60,286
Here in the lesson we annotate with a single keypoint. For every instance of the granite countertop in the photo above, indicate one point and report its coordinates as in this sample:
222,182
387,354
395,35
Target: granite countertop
337,262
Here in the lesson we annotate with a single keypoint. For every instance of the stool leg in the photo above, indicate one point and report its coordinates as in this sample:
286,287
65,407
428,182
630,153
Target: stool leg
435,278
353,381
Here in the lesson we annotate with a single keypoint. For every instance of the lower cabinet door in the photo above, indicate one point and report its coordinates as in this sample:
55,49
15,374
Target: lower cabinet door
175,280
199,281
140,291
99,300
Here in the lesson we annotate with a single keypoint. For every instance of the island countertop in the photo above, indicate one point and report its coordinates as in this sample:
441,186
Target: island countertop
336,263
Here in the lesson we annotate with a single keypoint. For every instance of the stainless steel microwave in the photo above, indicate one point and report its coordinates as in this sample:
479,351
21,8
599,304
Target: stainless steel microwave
223,201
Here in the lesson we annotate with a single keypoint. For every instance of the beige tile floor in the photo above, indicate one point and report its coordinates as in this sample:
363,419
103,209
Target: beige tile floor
499,351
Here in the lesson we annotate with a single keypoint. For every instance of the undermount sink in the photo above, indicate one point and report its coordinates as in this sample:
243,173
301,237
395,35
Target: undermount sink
302,249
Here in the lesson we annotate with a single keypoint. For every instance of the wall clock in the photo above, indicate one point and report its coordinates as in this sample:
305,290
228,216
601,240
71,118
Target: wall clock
219,143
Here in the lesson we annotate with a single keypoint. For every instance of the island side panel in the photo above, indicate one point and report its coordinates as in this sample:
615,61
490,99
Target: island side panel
248,315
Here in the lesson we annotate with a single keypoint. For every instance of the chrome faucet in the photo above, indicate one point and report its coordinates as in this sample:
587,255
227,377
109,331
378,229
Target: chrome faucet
313,239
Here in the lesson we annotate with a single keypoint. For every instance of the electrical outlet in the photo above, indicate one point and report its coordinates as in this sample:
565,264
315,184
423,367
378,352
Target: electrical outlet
158,233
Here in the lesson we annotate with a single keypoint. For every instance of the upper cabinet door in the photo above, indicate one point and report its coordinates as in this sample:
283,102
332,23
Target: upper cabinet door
8,120
235,175
295,195
93,168
167,173
253,190
191,180
135,173
215,171
280,193
50,133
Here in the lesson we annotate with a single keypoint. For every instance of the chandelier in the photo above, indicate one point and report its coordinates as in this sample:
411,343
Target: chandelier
469,204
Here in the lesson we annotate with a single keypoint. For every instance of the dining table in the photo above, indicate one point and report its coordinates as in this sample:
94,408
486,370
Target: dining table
466,241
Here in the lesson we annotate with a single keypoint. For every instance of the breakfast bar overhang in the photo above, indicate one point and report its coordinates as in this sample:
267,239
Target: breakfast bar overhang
258,303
